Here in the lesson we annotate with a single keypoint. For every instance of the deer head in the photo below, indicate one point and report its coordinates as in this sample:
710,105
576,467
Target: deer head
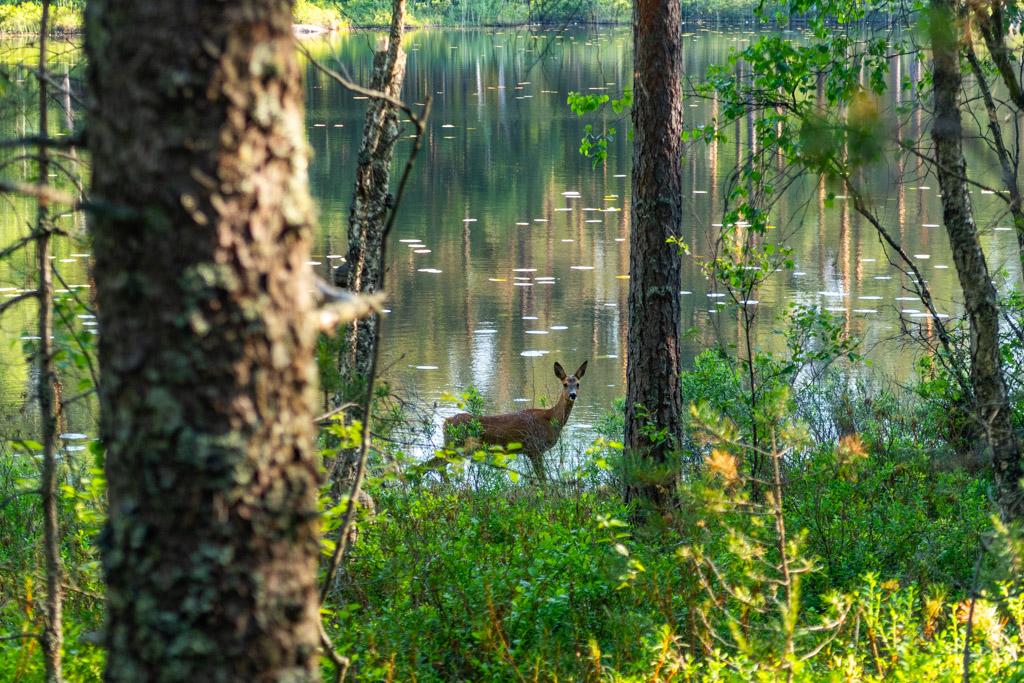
570,383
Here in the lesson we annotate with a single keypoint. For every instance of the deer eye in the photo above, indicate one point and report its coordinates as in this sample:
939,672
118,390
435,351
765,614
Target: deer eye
565,384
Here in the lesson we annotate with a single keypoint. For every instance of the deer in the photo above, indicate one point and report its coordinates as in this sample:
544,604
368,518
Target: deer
535,429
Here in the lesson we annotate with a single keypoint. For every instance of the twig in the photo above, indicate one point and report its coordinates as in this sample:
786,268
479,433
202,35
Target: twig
19,636
970,617
350,510
44,193
18,299
14,496
341,662
325,418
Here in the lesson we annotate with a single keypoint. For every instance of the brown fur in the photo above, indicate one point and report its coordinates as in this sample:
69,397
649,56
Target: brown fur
535,429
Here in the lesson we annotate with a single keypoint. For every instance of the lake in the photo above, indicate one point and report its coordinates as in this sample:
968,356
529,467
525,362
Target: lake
510,251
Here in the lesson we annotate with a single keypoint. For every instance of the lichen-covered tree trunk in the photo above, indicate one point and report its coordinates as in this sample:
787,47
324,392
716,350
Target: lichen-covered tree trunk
372,199
987,379
201,223
653,393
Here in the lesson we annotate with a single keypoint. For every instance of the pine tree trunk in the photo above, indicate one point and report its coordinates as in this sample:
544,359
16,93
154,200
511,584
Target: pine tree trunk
653,393
987,380
201,236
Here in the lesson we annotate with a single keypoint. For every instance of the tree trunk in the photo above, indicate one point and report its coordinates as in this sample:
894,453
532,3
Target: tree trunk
201,236
53,631
979,294
653,393
372,199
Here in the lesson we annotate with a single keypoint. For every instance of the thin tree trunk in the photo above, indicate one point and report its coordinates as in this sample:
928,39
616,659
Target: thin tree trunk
53,632
979,294
372,199
201,236
1006,164
653,391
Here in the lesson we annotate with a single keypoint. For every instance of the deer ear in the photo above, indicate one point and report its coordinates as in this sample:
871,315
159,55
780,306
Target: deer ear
559,372
583,369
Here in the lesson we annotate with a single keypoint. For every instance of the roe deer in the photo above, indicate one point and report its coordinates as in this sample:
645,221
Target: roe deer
536,429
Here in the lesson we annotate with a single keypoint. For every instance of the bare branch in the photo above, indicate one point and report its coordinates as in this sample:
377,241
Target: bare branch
44,193
18,299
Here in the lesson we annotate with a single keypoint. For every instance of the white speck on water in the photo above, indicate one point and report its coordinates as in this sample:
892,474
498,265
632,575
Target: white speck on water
533,354
426,367
715,295
428,270
536,332
883,277
922,256
864,310
421,251
907,298
836,309
485,332
581,267
74,436
529,317
469,220
870,298
559,327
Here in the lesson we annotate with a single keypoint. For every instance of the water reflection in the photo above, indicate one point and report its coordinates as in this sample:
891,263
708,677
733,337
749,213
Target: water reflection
500,192
502,150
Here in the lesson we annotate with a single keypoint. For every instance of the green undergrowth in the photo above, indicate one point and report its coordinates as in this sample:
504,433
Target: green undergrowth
513,582
23,17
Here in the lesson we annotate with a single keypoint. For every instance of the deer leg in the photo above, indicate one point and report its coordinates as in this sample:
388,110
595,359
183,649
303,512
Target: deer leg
537,463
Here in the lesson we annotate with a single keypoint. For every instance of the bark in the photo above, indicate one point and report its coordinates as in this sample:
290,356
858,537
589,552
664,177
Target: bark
372,199
201,223
53,630
653,392
979,294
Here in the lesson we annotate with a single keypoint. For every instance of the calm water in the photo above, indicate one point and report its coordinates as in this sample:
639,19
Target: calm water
510,252
531,244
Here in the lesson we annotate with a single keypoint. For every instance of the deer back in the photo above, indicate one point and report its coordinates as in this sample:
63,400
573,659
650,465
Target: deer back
535,429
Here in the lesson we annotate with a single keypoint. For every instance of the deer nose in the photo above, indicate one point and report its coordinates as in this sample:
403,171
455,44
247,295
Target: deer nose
572,395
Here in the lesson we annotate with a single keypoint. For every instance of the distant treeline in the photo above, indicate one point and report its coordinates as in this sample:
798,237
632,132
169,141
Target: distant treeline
22,16
356,13
365,13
